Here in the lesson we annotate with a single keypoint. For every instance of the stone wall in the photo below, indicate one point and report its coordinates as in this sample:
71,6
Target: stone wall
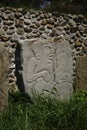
17,24
4,68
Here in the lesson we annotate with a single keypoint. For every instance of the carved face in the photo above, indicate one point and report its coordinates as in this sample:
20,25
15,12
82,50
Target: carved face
37,50
43,51
38,54
48,51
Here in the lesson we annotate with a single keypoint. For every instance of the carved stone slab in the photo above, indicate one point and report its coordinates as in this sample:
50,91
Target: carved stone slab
47,66
4,67
81,69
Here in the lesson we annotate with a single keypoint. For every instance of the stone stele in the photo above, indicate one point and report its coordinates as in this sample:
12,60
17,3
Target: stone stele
47,66
4,67
81,72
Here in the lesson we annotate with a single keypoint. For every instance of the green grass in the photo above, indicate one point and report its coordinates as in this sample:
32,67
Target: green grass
44,113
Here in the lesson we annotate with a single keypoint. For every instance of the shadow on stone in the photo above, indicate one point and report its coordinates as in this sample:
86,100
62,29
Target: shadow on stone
19,68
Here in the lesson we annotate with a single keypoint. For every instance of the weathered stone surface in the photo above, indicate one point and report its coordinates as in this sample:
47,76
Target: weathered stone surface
81,69
10,32
78,44
85,42
47,66
42,16
8,11
4,62
4,95
19,23
85,31
14,38
48,15
27,29
5,27
42,28
18,15
38,24
8,22
33,26
2,31
71,22
4,38
44,22
84,49
11,17
64,68
27,21
73,29
20,31
51,21
5,17
20,9
6,44
44,35
49,26
27,15
2,9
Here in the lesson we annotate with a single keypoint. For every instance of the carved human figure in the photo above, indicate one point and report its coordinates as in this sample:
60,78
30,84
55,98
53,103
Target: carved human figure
64,69
40,66
47,65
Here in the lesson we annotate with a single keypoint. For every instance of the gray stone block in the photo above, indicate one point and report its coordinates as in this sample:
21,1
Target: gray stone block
47,66
81,72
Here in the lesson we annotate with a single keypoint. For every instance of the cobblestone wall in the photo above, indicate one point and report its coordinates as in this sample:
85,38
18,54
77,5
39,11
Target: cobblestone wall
19,24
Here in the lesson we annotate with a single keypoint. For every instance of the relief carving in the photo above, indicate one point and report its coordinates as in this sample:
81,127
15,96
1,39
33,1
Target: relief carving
41,72
63,70
47,65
